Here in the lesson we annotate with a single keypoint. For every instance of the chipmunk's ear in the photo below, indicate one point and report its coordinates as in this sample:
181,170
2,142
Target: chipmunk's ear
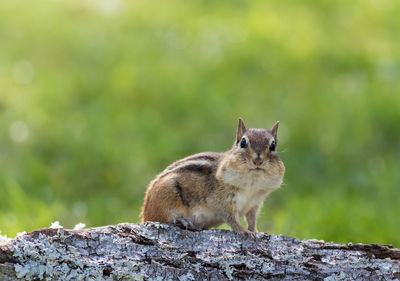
274,130
240,130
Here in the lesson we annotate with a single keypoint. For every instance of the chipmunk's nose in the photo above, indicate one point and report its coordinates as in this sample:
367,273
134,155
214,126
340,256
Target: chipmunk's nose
258,160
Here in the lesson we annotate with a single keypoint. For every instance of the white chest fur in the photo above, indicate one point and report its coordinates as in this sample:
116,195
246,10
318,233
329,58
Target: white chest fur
253,186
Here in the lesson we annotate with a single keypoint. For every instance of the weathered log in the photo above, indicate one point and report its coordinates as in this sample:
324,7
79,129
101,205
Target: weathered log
162,252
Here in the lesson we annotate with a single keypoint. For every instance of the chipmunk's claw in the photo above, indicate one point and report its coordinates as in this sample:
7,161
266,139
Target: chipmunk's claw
247,234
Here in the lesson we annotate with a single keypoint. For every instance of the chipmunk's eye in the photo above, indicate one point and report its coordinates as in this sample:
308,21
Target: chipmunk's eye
243,143
272,146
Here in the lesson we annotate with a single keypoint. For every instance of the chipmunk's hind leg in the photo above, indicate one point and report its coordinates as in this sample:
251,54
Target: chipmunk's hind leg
186,223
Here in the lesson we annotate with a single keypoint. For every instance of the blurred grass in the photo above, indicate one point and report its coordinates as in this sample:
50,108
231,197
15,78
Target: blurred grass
97,97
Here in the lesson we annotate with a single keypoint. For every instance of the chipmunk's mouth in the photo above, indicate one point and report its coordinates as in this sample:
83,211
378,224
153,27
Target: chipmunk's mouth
259,169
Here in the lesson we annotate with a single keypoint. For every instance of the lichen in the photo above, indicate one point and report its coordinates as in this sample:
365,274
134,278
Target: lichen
228,270
4,239
46,259
21,233
79,226
157,225
145,252
186,277
55,224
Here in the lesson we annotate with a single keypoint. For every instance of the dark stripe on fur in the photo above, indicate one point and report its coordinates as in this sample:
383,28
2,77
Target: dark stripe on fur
180,193
204,157
195,168
192,158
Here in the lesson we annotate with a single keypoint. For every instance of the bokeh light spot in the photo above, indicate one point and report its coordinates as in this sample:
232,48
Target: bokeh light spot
23,72
19,131
79,209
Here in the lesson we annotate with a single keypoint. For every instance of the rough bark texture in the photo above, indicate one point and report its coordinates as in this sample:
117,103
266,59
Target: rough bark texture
163,252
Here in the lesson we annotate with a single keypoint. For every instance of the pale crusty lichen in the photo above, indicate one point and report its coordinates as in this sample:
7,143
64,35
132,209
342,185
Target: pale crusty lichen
79,226
4,239
162,252
55,224
157,225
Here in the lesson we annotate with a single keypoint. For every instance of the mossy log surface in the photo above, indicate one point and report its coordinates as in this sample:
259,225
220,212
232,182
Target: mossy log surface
163,252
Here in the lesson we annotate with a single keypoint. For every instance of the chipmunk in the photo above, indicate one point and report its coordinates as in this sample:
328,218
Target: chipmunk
207,189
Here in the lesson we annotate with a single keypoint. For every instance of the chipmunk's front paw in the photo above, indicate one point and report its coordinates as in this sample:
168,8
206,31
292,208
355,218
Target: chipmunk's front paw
186,224
246,234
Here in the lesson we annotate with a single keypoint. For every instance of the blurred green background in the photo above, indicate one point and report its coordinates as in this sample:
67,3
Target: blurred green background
97,97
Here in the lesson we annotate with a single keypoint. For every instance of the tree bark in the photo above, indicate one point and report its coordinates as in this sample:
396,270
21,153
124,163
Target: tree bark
163,252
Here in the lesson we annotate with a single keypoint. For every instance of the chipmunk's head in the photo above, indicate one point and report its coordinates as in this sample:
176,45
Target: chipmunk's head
253,162
257,148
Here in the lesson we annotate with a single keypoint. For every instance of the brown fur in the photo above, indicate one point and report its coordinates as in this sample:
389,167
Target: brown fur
207,189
